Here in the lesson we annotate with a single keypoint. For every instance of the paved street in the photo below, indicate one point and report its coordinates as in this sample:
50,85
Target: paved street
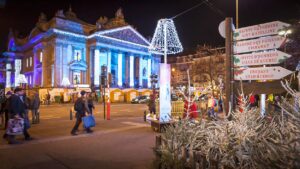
125,141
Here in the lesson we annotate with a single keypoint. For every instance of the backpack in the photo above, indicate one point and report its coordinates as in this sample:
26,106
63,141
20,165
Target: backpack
78,106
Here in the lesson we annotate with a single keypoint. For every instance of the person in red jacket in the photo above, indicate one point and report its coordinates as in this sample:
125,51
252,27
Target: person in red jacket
190,109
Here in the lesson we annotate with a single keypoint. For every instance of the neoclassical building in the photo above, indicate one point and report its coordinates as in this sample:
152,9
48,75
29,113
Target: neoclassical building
67,51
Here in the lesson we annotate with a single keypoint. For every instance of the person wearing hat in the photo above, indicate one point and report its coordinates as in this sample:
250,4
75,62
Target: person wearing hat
5,110
18,109
81,108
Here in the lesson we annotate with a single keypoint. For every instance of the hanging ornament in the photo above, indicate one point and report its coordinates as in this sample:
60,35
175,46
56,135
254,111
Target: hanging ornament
165,40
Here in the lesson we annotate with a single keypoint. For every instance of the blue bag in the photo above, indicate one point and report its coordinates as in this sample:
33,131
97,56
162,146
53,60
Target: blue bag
88,121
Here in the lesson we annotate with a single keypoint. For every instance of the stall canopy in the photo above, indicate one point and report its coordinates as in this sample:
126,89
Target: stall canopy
130,94
116,95
145,92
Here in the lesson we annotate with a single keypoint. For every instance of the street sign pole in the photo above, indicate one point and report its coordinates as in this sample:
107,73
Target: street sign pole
228,66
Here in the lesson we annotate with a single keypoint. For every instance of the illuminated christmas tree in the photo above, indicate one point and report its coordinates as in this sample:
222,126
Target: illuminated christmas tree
165,40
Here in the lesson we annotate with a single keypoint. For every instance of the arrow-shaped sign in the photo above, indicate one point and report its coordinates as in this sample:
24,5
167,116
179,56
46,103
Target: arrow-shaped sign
265,43
260,58
261,73
270,28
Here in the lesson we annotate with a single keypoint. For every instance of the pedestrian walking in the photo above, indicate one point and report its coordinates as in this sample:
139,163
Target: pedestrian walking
5,110
252,101
90,103
17,109
211,104
81,108
48,97
257,100
35,108
220,104
151,104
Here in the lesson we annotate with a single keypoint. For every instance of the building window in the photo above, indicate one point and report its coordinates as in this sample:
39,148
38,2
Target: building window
77,55
26,62
41,57
30,61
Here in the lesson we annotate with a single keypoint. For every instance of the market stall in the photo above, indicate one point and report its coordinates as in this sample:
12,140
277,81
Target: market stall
116,95
130,94
145,92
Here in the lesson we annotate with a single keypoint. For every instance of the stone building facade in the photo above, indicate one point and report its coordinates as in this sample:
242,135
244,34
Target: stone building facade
66,51
205,65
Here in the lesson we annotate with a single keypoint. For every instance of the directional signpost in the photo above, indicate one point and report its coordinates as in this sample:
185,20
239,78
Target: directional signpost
255,45
260,58
260,44
261,73
266,29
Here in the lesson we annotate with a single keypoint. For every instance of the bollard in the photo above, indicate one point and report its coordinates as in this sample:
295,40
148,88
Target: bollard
108,110
145,114
157,141
71,114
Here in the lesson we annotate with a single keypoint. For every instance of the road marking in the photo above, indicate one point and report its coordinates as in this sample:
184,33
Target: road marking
94,134
135,124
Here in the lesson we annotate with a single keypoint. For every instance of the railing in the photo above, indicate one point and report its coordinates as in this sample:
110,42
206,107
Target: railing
178,107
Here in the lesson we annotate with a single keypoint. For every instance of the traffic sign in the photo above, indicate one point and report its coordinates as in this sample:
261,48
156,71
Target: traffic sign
264,43
270,28
260,58
261,73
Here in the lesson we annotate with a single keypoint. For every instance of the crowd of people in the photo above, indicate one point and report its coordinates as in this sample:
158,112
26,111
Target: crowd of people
15,109
17,105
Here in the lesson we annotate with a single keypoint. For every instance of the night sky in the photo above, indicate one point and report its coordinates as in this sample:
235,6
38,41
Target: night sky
199,26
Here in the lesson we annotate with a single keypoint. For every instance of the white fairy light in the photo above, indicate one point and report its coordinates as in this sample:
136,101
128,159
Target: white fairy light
165,40
65,82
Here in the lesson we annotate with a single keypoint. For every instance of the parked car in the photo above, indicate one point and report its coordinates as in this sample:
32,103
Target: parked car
174,97
140,99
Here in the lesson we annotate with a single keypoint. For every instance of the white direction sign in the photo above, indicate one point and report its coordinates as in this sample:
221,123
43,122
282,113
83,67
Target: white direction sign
264,43
260,58
270,28
261,73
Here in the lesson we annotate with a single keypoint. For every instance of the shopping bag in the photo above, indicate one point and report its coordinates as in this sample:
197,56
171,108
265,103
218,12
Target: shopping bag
15,126
88,121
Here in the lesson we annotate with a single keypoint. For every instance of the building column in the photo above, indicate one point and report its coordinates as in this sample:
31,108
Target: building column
96,67
149,72
131,70
57,65
109,61
140,71
120,60
8,75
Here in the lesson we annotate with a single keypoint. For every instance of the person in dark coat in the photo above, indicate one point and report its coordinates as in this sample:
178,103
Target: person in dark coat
81,113
90,103
35,108
18,109
5,110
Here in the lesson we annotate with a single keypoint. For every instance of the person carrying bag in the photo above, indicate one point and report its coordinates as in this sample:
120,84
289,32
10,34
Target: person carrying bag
81,108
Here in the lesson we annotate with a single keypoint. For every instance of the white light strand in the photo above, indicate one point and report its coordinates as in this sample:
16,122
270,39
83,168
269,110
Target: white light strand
102,35
157,45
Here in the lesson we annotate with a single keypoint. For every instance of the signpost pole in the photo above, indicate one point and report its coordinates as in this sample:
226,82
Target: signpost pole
228,65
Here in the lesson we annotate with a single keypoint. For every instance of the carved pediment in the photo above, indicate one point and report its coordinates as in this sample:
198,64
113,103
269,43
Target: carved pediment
126,34
78,65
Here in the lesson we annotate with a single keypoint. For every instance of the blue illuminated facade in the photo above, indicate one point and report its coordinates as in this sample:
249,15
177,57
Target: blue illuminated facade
67,51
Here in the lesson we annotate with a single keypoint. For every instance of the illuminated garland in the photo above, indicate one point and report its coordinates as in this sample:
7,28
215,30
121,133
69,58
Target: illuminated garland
165,28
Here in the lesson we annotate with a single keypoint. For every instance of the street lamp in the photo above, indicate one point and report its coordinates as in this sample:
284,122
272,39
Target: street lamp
285,32
173,69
